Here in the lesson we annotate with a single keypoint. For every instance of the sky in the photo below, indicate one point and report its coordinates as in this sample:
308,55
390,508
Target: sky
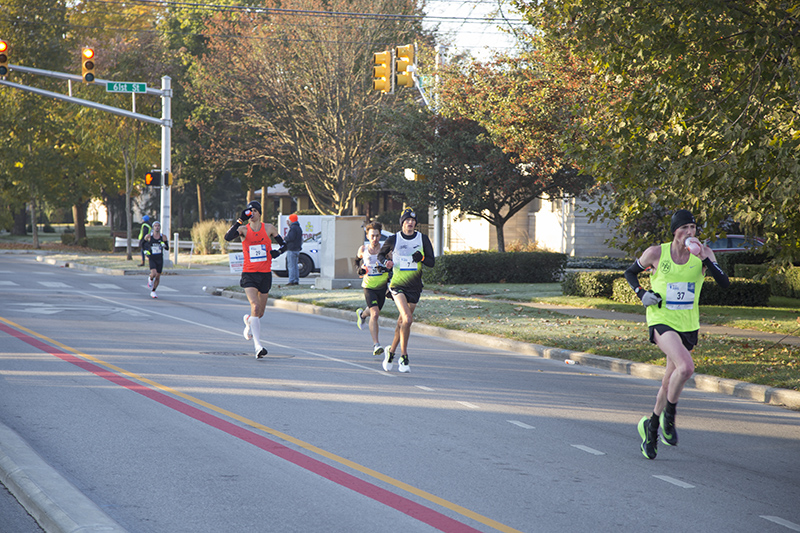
468,24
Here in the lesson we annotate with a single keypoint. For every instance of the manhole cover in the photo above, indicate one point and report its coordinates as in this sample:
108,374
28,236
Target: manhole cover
247,354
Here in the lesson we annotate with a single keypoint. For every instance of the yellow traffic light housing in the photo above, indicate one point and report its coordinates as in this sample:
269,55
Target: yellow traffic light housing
405,65
382,71
87,65
153,178
3,59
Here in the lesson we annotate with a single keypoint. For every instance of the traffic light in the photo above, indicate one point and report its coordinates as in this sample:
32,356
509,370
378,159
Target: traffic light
404,65
3,59
87,65
153,178
382,71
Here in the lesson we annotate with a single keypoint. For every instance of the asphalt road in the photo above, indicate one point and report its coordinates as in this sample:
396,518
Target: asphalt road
157,411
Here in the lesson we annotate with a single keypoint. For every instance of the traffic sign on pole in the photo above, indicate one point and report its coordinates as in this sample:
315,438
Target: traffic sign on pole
121,87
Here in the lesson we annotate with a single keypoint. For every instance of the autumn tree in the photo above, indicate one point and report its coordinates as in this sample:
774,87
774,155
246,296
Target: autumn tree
698,109
499,145
291,93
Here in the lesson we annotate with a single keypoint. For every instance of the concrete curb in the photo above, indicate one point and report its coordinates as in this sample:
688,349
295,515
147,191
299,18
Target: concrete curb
56,504
731,387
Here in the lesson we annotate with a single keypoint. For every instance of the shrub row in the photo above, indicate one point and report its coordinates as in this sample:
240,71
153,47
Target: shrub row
785,283
497,267
103,244
742,292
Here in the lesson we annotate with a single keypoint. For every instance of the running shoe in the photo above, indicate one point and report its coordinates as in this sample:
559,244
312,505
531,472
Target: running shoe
388,360
153,294
403,366
149,282
247,335
359,318
669,435
377,350
649,438
261,353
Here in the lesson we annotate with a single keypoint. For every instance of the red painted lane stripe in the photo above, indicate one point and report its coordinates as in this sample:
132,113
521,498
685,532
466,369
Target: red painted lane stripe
400,503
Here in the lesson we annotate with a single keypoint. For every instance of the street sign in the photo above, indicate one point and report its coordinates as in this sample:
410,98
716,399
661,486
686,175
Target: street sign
120,87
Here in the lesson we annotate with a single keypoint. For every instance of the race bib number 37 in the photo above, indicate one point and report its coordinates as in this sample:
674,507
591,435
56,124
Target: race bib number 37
680,296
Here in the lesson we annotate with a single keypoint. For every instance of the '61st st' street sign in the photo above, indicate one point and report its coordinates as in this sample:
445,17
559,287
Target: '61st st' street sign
121,87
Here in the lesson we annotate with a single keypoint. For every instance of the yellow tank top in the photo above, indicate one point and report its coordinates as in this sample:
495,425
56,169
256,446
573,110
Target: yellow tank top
679,287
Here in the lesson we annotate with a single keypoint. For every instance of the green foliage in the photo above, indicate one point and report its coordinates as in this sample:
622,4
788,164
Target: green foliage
206,232
496,267
784,283
590,284
697,110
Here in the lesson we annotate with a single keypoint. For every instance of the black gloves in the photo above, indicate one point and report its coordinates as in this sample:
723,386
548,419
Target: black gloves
246,214
276,253
361,271
417,256
648,297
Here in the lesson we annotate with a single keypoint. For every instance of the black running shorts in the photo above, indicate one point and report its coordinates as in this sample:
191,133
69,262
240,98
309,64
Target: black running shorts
689,338
375,297
260,280
156,262
412,296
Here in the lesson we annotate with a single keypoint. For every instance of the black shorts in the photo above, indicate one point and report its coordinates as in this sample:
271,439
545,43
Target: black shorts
260,280
689,338
412,296
156,262
375,297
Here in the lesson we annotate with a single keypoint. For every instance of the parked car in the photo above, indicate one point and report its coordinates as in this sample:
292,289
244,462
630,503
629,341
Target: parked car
735,243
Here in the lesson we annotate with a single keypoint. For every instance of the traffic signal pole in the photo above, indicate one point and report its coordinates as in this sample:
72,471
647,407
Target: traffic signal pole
165,121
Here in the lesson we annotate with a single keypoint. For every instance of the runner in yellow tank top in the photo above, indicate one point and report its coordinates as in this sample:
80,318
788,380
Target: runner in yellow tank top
374,281
673,317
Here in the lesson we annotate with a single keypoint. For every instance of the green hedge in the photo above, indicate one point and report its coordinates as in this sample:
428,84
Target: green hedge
741,293
103,244
590,284
497,267
786,283
727,261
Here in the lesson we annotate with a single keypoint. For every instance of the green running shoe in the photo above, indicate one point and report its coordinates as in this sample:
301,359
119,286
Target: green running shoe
649,438
669,435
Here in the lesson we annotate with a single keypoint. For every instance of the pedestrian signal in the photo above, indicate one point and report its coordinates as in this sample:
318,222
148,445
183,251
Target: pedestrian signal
3,58
153,178
87,65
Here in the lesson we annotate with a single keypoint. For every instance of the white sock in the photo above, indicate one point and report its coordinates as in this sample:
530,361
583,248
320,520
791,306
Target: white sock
255,329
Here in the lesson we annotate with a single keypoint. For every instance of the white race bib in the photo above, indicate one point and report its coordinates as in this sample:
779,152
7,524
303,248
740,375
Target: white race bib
155,248
680,296
258,253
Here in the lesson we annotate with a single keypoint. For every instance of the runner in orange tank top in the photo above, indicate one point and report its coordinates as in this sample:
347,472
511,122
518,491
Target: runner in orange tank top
256,280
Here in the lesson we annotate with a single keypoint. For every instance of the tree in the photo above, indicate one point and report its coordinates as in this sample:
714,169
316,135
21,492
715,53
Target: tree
289,93
501,145
698,110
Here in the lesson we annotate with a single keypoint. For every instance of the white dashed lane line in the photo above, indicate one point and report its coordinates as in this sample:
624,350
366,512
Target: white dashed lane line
587,449
424,388
780,521
523,425
470,405
676,482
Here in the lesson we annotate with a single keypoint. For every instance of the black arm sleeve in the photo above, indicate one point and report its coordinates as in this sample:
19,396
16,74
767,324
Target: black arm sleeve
279,240
719,276
233,232
166,245
427,248
632,274
388,246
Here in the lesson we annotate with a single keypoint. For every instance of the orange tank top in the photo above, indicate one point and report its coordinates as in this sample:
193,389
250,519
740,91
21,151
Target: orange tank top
256,246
